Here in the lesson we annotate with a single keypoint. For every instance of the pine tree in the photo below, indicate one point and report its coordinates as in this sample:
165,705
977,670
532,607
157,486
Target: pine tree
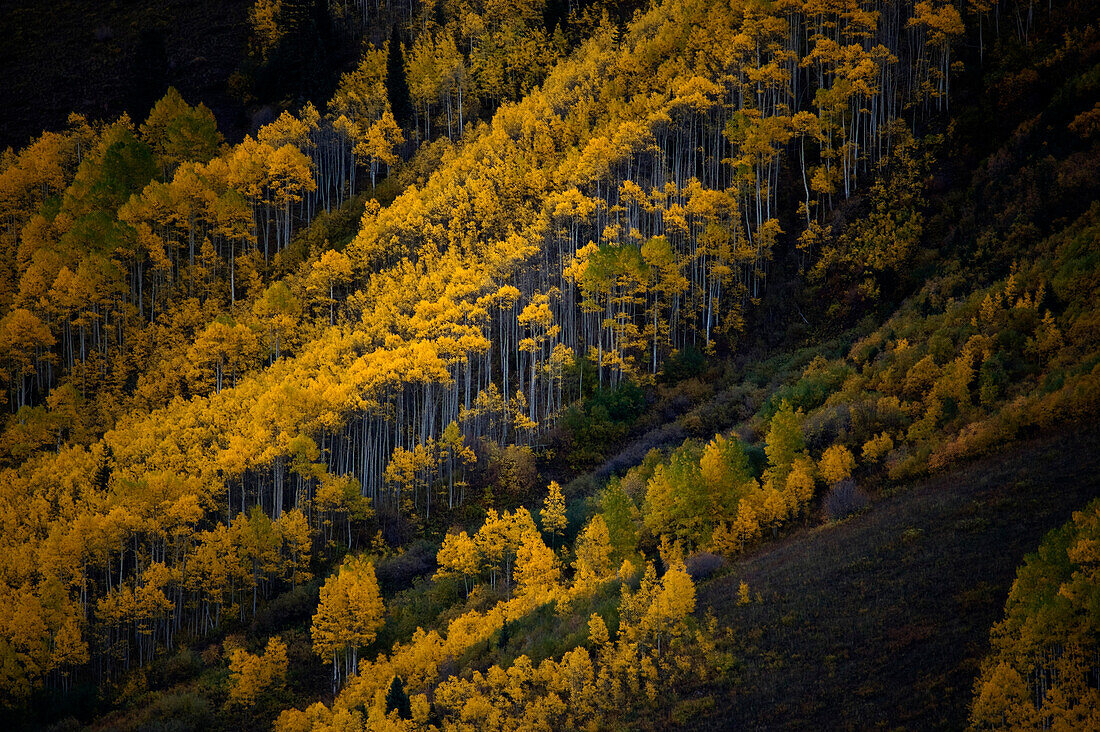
397,700
397,87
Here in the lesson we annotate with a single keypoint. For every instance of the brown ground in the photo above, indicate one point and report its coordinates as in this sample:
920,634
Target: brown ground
881,621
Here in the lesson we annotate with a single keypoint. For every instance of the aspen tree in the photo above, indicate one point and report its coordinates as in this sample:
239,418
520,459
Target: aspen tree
552,515
348,617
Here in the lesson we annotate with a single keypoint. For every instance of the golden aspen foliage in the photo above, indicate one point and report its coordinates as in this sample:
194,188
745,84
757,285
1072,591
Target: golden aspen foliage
725,472
784,442
378,143
670,551
264,19
836,464
876,447
747,526
361,94
677,499
537,572
774,509
459,555
660,607
1003,700
598,634
296,545
801,481
348,616
250,676
552,515
201,397
593,551
1044,650
499,539
329,275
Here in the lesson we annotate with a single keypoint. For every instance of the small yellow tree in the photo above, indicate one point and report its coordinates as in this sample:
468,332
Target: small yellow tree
348,616
593,551
251,676
837,464
459,555
553,512
876,447
537,571
377,144
746,527
672,603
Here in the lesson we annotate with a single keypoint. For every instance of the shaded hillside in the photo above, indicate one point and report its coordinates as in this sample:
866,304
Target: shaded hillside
881,621
100,59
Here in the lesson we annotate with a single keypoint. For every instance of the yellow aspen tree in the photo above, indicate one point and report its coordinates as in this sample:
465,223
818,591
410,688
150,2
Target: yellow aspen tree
296,540
378,145
69,649
264,17
598,634
250,676
348,616
455,454
290,174
593,552
877,446
725,472
746,527
553,512
459,555
537,570
329,273
837,463
671,605
784,442
799,490
775,509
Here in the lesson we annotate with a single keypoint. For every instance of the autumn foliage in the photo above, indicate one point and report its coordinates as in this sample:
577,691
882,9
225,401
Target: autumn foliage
510,243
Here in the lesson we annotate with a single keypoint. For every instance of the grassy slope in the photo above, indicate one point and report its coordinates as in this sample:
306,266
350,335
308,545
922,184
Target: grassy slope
881,620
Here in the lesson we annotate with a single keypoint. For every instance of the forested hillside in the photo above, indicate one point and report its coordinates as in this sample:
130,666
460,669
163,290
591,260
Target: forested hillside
426,404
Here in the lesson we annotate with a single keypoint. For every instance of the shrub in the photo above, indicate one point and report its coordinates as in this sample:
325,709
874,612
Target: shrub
291,607
844,499
181,665
702,565
682,365
635,452
827,425
177,713
397,572
601,421
725,408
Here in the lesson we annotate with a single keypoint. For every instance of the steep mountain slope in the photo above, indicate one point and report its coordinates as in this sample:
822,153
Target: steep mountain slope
272,428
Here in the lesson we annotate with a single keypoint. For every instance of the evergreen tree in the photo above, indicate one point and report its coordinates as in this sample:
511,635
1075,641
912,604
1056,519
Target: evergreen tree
397,87
397,700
